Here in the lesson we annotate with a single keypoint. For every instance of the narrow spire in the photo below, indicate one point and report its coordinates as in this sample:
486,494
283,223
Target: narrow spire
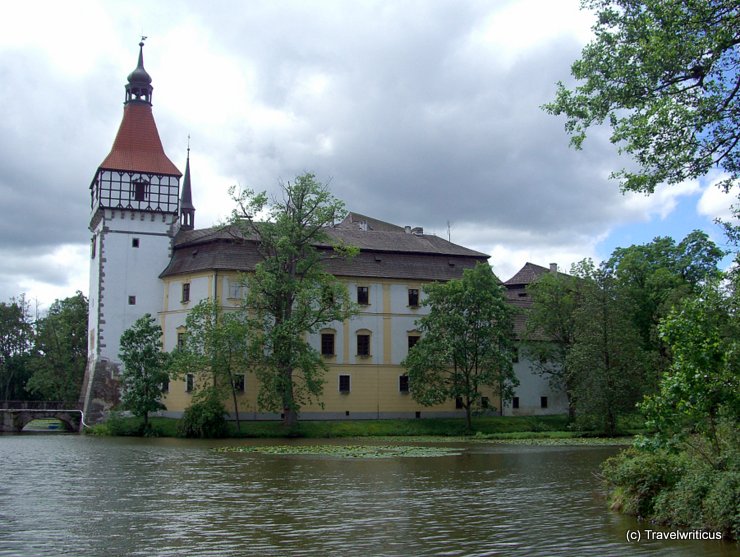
187,210
139,87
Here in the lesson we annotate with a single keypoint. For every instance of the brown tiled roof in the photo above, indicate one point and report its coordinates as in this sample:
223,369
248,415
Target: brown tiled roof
356,220
370,240
382,254
137,146
527,274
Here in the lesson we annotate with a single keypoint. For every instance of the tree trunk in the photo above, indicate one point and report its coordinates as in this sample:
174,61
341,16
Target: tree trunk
236,405
290,414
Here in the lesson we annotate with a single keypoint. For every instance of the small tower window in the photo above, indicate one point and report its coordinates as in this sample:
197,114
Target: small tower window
140,190
134,242
132,300
185,292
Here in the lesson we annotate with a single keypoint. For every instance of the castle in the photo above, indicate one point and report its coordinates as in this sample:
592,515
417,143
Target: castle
146,256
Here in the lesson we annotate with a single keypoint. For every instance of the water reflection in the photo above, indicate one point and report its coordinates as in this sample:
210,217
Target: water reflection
70,495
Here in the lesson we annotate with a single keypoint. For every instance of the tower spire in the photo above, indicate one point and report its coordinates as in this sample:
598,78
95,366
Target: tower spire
139,87
187,210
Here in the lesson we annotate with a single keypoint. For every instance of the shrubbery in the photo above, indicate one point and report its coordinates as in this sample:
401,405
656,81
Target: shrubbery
205,418
680,489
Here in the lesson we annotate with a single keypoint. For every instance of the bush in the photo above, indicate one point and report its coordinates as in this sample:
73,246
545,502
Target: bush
205,419
637,477
722,505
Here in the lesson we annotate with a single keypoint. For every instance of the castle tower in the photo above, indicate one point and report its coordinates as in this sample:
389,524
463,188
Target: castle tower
187,210
134,198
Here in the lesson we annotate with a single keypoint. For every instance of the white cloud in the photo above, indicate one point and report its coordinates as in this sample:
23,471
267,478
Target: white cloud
661,203
714,203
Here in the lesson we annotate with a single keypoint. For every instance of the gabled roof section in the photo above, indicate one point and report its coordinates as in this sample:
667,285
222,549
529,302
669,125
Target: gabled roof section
362,222
527,274
137,147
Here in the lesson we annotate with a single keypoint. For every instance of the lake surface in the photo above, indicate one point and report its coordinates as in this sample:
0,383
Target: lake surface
86,496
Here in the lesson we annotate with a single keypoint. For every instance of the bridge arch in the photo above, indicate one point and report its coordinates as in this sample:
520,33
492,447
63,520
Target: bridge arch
14,419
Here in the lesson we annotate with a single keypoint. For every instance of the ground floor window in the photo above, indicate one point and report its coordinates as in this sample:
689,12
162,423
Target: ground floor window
344,383
543,402
403,384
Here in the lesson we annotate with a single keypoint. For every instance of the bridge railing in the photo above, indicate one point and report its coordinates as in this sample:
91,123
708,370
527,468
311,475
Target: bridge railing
38,405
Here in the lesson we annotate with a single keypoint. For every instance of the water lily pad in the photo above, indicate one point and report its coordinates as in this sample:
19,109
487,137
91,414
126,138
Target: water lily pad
346,451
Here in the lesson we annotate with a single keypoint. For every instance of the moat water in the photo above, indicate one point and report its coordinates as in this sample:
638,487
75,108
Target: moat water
87,496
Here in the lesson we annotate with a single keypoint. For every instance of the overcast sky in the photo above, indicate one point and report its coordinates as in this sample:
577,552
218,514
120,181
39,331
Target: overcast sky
418,113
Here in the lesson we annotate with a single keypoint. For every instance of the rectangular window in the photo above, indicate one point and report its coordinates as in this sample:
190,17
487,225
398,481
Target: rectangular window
327,344
132,300
185,292
515,356
140,190
515,402
363,295
413,297
189,383
134,242
181,340
166,385
236,290
413,339
239,383
403,384
484,402
543,402
458,402
363,345
344,384
93,244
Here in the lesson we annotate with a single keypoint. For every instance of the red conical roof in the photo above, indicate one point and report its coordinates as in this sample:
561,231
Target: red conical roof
137,147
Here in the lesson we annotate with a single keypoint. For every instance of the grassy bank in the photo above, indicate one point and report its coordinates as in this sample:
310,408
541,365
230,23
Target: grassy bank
489,427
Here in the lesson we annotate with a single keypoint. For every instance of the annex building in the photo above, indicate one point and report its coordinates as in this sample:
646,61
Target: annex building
147,256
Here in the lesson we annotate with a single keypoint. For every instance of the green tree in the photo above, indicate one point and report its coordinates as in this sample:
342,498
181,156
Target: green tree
16,337
466,343
144,373
606,361
290,295
549,333
656,276
214,352
664,75
701,391
60,350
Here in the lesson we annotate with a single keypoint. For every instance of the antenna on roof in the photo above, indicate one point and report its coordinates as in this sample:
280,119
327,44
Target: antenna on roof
449,233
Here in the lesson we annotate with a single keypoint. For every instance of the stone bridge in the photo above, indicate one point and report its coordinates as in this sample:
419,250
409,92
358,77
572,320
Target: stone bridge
16,414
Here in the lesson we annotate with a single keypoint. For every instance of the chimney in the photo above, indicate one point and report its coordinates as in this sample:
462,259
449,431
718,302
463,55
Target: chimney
407,229
553,267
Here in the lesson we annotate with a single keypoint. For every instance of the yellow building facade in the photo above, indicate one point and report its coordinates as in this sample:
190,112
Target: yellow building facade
363,355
